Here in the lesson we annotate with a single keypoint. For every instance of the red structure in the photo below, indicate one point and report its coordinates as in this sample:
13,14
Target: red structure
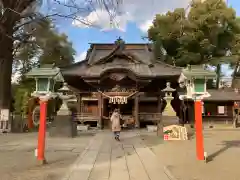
42,132
199,130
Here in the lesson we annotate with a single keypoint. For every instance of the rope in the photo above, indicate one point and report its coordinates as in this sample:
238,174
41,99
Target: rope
118,99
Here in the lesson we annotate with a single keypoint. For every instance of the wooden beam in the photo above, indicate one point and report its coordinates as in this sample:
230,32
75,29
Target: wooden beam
79,103
159,122
100,109
136,110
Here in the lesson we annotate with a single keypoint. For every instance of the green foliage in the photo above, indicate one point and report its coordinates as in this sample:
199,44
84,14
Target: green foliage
21,97
46,46
55,47
203,36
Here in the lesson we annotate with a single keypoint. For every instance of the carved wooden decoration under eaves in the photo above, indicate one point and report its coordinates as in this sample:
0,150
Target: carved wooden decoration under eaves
117,76
119,89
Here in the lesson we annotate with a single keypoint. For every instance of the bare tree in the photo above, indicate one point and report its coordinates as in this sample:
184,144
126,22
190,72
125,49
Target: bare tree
16,18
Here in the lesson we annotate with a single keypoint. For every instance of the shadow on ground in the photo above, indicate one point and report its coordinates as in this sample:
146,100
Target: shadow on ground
226,145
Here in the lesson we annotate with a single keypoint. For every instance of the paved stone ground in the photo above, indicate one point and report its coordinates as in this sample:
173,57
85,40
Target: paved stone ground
223,147
107,159
100,157
17,160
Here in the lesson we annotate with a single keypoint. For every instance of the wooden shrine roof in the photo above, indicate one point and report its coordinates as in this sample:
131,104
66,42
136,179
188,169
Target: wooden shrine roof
223,95
136,58
226,94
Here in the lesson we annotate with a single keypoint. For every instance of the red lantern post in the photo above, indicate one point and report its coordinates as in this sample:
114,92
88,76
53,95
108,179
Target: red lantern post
199,130
42,131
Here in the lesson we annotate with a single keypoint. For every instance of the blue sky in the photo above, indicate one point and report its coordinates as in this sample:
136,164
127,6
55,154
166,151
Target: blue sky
132,24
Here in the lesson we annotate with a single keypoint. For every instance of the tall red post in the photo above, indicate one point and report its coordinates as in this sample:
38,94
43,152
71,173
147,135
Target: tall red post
199,132
42,131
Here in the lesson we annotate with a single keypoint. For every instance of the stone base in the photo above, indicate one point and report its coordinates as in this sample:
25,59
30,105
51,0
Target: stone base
83,127
5,127
41,162
151,128
63,126
170,120
17,124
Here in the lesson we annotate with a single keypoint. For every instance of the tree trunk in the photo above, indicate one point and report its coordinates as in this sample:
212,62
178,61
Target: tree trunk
218,72
6,60
234,79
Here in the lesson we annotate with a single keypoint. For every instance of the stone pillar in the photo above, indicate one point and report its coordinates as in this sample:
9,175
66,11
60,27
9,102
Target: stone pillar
63,125
100,110
136,111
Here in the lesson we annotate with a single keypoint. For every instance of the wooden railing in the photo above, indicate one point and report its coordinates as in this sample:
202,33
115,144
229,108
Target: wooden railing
149,116
83,117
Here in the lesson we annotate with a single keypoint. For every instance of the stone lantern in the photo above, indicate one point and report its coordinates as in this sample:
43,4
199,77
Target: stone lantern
64,125
65,96
169,115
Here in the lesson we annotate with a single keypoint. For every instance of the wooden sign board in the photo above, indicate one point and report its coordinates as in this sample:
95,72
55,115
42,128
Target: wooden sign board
176,132
221,110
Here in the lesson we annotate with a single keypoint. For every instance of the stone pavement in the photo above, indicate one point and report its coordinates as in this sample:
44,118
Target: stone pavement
17,160
107,159
222,146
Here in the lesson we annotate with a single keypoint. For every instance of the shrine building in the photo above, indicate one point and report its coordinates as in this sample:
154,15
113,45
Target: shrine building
128,77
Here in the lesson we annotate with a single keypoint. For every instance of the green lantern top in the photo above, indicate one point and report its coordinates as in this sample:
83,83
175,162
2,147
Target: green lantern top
195,79
45,76
46,71
198,72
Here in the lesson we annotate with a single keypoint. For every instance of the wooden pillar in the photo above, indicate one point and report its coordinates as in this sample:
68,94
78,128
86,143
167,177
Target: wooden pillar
235,116
182,114
159,112
79,109
100,109
136,111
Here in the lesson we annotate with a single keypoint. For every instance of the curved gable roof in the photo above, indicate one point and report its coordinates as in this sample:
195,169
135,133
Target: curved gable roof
134,57
103,53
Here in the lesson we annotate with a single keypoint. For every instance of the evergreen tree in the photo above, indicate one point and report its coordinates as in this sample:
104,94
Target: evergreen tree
203,36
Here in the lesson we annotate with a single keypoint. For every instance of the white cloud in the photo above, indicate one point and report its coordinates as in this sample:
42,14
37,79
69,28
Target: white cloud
81,56
101,19
146,25
140,11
